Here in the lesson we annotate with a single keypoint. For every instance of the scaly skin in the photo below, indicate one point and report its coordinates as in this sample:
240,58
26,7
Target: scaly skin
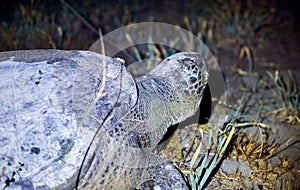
168,95
46,123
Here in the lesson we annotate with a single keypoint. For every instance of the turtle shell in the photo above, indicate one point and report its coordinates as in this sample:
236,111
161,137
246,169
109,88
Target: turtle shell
52,103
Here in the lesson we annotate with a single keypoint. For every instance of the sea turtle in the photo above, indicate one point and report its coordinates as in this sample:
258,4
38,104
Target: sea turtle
77,119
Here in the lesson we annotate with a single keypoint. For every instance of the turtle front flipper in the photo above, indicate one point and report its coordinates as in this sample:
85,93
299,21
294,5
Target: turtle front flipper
163,176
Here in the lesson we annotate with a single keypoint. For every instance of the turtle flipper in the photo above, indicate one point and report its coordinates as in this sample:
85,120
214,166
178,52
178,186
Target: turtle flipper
164,176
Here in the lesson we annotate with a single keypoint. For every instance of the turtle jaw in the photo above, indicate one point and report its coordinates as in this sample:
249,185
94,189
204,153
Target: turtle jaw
194,75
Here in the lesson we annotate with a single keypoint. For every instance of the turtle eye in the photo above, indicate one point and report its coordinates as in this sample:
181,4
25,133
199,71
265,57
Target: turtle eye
193,79
194,76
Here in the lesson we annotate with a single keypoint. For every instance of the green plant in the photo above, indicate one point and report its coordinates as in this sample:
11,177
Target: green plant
288,93
241,23
200,174
31,28
202,28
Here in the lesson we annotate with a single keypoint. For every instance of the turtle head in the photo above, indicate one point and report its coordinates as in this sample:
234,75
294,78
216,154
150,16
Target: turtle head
187,73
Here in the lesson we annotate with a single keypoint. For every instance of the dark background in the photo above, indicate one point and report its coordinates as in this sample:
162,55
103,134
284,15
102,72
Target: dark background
23,21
